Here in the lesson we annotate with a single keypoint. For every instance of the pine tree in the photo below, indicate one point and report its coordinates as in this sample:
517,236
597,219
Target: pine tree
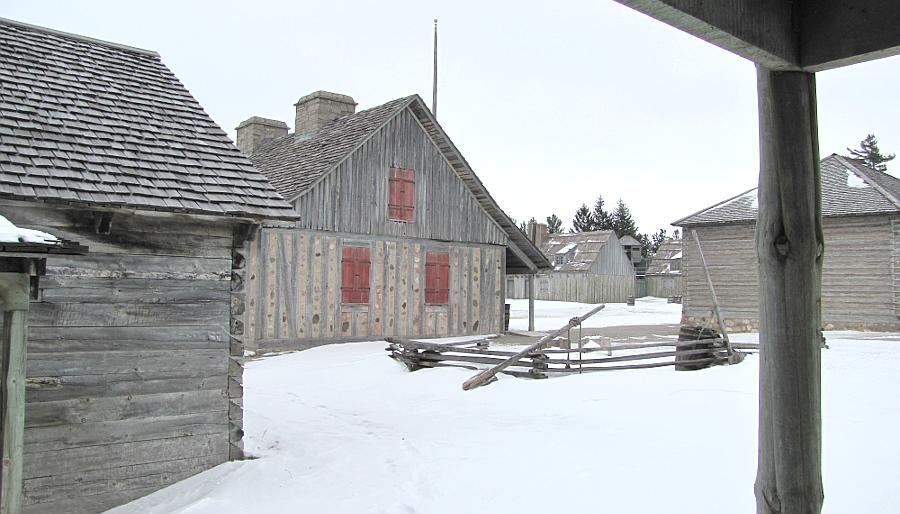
622,221
601,218
582,221
870,154
554,224
656,240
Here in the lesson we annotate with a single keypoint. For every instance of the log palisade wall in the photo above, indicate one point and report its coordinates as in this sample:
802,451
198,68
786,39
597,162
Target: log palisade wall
573,287
860,285
131,383
664,286
294,295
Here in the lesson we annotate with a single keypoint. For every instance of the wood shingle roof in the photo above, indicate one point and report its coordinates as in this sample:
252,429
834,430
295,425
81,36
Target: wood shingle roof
849,188
88,122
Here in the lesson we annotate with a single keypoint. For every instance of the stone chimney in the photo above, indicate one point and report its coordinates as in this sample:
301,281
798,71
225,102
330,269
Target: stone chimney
538,233
255,132
318,109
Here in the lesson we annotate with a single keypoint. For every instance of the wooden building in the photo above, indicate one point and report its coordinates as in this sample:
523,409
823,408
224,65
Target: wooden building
663,276
133,378
398,236
588,267
861,270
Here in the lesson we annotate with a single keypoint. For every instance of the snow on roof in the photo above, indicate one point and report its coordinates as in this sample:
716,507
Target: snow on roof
676,256
10,233
566,249
855,181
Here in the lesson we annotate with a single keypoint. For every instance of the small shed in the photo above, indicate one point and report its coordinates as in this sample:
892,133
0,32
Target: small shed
861,270
398,235
588,267
663,275
134,360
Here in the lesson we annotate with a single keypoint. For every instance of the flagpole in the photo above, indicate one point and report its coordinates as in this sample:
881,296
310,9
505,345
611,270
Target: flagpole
434,82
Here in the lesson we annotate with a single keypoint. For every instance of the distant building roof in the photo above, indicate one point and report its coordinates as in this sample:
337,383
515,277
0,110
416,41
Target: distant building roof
89,122
584,247
627,240
849,188
296,163
661,262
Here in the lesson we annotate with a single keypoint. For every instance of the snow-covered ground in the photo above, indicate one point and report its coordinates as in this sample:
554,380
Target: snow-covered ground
344,429
552,315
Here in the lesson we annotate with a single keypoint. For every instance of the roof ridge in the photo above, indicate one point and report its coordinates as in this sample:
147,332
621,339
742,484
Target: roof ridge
78,37
859,172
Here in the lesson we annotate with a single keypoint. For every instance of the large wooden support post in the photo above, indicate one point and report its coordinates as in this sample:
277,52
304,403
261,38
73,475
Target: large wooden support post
790,247
531,302
14,295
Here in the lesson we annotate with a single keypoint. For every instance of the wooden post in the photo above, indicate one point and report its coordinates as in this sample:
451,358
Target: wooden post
790,248
14,294
531,303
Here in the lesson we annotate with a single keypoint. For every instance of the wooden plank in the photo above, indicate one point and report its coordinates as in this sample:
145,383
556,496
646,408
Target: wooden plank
361,328
140,266
94,410
475,293
254,294
346,323
53,339
12,410
271,264
133,314
112,456
417,303
442,324
390,300
318,288
403,287
302,295
332,289
455,290
62,289
68,387
46,438
99,490
464,297
194,361
375,320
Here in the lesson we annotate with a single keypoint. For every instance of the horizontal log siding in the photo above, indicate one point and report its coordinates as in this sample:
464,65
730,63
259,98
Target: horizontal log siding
354,197
859,281
664,286
574,287
294,293
128,359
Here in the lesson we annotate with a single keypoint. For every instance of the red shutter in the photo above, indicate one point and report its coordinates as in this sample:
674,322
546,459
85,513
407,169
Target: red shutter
437,278
401,194
355,274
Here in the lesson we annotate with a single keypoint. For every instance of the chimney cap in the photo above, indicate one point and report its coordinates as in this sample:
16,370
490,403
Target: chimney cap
259,120
325,95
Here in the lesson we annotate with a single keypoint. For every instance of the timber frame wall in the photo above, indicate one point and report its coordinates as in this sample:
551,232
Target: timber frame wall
581,287
294,292
132,380
860,274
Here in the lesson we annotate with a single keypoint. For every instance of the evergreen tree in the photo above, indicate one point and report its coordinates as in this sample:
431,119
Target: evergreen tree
554,224
622,221
870,154
601,218
656,240
582,221
646,244
523,228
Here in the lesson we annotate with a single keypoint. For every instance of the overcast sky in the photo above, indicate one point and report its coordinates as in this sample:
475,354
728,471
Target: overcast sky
552,106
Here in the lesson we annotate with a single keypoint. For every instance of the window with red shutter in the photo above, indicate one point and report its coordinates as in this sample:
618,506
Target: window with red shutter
355,274
437,278
401,195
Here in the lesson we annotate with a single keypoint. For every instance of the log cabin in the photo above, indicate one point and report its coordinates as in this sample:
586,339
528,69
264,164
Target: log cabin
588,267
133,340
861,270
398,236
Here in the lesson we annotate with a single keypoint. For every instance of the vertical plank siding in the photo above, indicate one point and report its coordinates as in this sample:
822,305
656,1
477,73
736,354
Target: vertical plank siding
664,286
573,287
128,370
354,197
859,274
397,278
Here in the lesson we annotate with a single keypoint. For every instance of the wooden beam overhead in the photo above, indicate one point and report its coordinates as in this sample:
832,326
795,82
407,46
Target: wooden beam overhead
811,35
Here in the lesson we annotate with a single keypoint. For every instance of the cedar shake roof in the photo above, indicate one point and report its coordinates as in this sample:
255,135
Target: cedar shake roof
668,251
89,122
582,248
849,188
295,164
